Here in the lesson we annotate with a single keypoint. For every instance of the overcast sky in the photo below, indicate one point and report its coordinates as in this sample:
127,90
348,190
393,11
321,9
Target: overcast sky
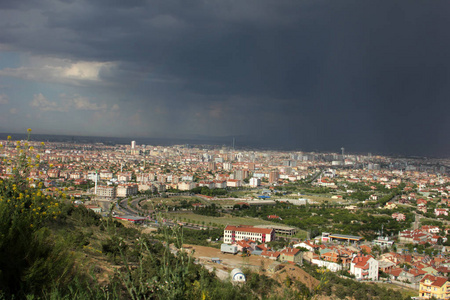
370,76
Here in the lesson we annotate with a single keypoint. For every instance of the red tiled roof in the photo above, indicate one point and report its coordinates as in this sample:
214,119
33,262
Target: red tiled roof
395,272
270,253
249,229
435,280
290,251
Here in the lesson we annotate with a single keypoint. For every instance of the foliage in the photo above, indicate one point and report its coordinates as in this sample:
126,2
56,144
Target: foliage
203,190
317,219
210,210
343,287
199,237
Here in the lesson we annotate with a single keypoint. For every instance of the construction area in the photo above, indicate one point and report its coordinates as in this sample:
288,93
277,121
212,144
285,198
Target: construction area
224,263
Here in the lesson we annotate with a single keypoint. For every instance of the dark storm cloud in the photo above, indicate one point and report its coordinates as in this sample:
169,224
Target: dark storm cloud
370,76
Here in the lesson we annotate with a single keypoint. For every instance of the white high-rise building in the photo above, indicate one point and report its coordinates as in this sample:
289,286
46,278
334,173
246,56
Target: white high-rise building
133,144
255,182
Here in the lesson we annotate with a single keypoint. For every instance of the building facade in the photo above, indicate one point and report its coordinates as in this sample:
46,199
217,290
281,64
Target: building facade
434,286
233,234
364,267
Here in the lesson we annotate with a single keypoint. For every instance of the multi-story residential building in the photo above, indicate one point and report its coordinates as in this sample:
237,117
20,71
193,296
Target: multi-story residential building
53,173
220,184
274,176
146,187
186,185
227,166
208,184
124,176
75,175
255,182
233,183
106,191
106,175
233,234
159,186
434,286
125,190
364,267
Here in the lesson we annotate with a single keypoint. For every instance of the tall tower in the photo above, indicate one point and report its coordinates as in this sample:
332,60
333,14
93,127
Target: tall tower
133,144
95,189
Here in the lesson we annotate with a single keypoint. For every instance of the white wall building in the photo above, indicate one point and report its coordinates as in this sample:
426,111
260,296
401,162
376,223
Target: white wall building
364,267
255,182
186,185
232,234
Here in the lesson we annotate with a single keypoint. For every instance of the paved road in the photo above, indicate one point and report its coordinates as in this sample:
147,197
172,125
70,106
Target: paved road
126,209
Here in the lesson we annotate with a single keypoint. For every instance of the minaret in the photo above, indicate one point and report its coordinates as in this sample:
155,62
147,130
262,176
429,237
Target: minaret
95,189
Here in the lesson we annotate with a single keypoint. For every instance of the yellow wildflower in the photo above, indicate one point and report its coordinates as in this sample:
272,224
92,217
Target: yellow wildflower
29,130
42,143
9,137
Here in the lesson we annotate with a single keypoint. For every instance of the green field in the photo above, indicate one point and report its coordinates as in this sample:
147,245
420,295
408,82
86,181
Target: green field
223,221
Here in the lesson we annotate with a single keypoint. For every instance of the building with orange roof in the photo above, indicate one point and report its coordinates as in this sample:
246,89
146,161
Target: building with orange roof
364,267
233,234
292,255
270,254
434,286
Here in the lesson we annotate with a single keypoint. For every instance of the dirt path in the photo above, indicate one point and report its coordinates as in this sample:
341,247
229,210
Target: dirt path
257,264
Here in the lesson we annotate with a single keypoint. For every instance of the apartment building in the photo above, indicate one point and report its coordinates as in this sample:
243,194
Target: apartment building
106,191
364,267
125,190
434,286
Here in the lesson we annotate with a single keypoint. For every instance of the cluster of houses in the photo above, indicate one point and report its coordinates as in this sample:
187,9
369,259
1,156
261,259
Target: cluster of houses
338,257
423,272
425,234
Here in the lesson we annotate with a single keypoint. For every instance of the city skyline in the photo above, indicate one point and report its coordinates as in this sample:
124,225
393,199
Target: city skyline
309,75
